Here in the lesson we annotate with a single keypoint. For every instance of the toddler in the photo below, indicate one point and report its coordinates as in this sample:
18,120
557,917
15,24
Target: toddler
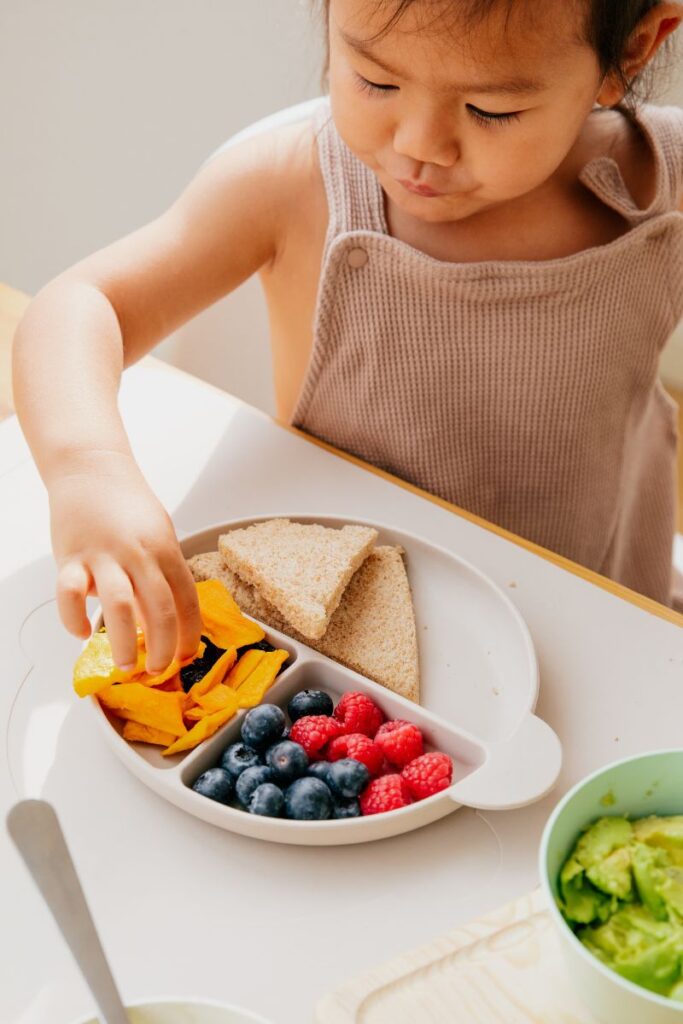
472,256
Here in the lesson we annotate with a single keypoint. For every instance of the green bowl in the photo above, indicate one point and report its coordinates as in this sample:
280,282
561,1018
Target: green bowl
635,787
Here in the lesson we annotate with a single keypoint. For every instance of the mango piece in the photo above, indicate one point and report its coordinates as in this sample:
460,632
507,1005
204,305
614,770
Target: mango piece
171,670
95,668
134,732
172,685
214,676
220,697
194,714
206,727
253,689
244,667
146,705
223,622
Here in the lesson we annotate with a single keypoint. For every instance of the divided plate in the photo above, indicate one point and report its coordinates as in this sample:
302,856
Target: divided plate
479,681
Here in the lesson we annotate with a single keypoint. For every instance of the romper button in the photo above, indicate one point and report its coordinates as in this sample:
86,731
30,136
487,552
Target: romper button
356,258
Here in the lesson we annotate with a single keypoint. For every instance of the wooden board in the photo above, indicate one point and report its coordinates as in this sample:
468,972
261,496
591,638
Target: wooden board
505,968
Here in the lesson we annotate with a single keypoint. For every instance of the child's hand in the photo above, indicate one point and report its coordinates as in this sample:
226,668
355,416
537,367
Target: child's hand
112,537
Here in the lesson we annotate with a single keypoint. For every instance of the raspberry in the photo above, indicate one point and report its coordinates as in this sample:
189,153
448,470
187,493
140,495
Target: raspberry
400,741
385,794
359,747
357,713
428,774
313,732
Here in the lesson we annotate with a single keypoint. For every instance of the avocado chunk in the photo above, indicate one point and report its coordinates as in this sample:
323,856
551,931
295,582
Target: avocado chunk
621,890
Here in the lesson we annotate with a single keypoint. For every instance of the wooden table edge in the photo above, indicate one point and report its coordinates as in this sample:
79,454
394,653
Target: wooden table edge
19,300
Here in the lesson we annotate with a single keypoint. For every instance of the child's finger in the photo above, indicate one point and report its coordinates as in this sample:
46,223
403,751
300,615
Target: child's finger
187,606
115,592
73,584
158,611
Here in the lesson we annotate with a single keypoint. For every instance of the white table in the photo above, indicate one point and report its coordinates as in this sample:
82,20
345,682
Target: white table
186,909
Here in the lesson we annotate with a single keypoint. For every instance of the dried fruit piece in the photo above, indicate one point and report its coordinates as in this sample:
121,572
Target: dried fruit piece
253,689
95,668
219,698
223,622
214,676
206,727
135,732
146,705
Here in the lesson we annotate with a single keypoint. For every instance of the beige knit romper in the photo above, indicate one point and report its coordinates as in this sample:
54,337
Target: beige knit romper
525,392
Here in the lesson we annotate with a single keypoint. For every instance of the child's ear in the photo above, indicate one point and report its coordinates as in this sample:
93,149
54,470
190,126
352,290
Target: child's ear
645,40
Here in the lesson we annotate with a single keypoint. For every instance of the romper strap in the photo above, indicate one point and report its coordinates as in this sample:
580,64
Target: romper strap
354,195
663,128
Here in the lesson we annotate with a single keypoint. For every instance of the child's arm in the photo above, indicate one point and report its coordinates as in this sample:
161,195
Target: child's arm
110,534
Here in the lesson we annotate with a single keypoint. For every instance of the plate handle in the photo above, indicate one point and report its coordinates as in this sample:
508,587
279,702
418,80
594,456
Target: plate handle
517,771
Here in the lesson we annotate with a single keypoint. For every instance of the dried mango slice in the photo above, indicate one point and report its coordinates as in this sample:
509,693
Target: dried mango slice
194,714
206,727
171,670
172,685
220,697
146,705
244,667
223,622
252,690
95,668
135,732
215,675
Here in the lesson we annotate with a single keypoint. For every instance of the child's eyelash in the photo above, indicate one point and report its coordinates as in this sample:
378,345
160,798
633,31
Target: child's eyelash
365,86
481,116
491,119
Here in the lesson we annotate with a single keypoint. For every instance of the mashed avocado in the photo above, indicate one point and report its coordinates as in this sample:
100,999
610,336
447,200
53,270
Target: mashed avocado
621,891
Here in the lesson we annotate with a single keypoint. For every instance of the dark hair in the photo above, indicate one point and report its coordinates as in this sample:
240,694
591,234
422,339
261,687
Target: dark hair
607,27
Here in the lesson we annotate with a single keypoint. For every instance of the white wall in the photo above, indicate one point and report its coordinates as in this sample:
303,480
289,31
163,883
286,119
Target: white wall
108,107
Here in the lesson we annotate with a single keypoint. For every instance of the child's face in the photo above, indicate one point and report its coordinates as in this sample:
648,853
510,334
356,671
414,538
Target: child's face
426,138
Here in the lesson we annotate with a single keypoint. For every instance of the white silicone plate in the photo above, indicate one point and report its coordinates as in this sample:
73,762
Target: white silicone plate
479,680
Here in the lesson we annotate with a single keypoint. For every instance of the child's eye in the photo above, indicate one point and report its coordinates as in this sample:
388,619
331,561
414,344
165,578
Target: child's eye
374,87
483,117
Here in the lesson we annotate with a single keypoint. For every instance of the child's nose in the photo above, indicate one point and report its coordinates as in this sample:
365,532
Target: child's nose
426,141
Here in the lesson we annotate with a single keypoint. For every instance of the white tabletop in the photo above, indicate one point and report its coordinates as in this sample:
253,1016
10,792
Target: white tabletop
186,909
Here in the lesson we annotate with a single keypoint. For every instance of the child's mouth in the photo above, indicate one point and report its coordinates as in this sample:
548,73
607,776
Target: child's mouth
417,188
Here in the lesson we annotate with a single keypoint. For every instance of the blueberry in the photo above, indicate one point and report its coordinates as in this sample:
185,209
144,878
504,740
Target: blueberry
309,702
215,783
348,778
320,770
288,761
249,780
263,726
308,799
237,757
346,809
268,800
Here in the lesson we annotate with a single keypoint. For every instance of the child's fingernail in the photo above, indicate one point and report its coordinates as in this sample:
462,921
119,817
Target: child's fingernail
127,668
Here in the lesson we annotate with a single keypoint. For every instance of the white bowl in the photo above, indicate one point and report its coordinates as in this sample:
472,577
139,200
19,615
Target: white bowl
173,1011
635,787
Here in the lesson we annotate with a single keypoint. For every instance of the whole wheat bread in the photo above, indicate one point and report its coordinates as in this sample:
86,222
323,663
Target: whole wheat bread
301,569
372,631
